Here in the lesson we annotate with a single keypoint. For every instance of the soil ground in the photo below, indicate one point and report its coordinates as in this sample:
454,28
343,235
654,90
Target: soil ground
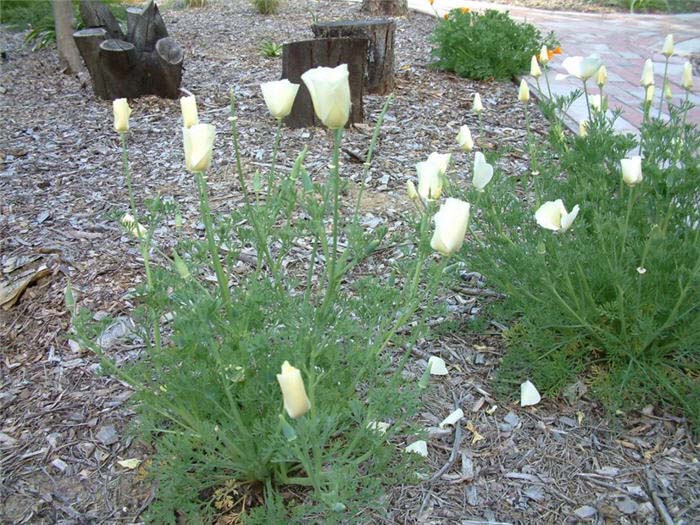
64,426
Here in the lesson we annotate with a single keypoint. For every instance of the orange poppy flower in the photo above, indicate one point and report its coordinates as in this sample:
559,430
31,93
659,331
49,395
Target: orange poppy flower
431,2
445,16
464,10
552,52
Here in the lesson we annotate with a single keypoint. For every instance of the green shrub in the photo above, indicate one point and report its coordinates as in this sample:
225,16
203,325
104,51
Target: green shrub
36,16
23,14
615,300
266,7
485,45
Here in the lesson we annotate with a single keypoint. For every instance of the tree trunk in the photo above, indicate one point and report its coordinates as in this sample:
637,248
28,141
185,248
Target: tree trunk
299,57
68,54
385,7
379,74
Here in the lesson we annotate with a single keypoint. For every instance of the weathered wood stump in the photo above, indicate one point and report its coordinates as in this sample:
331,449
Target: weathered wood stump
379,73
385,7
145,61
299,57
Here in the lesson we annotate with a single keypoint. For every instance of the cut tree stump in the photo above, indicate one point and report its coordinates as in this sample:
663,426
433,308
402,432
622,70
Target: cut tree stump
299,57
385,7
145,61
379,73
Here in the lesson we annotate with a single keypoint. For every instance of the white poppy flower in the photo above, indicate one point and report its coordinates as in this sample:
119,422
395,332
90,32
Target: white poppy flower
552,215
483,172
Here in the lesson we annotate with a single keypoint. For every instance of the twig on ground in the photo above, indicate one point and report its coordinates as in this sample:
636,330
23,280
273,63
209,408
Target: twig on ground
656,499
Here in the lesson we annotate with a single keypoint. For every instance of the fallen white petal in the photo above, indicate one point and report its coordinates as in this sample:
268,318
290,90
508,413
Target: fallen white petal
379,426
129,463
437,366
529,395
452,418
418,447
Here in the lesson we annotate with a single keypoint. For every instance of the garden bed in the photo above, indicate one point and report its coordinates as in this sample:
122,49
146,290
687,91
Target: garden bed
65,426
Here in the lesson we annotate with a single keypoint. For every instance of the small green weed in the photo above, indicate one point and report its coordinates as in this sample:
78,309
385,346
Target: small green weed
266,7
270,49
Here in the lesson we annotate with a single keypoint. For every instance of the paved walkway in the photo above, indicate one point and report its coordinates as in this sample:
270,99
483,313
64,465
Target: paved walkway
623,41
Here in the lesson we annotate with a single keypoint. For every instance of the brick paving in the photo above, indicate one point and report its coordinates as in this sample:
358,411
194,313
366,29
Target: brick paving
623,41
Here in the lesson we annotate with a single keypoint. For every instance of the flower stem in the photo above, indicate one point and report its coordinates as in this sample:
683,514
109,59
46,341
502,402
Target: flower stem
127,175
663,85
334,182
236,149
546,78
275,150
588,104
209,230
144,241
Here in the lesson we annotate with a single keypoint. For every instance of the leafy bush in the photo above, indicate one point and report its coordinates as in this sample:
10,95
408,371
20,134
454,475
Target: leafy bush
207,394
22,14
266,7
36,16
485,45
615,300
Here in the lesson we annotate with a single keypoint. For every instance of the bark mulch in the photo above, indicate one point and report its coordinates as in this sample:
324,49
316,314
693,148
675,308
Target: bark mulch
64,426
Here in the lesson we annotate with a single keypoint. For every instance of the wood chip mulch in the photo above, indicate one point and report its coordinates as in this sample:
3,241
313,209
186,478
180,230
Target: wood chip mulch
64,426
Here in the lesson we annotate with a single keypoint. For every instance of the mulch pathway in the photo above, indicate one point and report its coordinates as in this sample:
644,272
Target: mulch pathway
64,426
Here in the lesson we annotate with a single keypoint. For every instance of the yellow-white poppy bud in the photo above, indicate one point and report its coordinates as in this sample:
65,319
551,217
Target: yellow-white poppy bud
477,106
483,172
329,88
199,144
552,215
668,46
647,73
583,128
411,190
296,402
535,70
523,92
464,139
602,76
668,94
188,105
451,222
632,170
136,229
429,180
687,77
279,97
122,111
544,55
649,93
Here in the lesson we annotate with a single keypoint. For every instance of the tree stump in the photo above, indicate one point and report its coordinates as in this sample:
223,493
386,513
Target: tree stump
379,74
299,57
145,61
385,7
